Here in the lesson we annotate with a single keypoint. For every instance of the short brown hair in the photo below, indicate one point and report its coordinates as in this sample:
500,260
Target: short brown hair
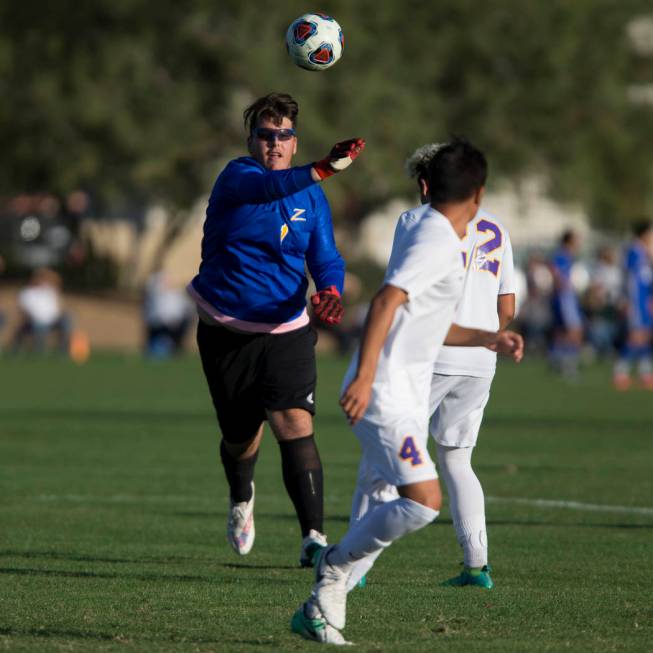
275,107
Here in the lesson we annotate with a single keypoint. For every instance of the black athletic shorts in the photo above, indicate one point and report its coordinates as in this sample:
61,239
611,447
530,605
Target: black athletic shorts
249,373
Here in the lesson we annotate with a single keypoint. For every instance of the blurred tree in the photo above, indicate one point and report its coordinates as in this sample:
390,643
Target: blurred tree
142,103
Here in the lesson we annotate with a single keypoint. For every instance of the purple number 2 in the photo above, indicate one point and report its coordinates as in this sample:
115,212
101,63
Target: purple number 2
409,451
493,243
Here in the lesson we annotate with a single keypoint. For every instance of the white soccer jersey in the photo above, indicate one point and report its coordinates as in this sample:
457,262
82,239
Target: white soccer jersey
489,272
426,263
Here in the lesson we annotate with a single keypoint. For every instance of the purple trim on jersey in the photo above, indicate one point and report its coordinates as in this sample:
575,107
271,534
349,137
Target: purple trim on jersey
243,325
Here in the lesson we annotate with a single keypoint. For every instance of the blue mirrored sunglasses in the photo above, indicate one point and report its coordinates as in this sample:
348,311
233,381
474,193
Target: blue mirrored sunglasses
270,135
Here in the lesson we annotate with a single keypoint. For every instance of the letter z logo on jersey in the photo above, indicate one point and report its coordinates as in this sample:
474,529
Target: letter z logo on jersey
296,216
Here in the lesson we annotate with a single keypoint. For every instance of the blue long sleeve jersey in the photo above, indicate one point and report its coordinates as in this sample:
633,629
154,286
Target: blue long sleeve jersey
261,228
639,286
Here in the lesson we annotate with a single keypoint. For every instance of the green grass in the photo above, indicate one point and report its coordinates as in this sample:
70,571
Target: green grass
113,503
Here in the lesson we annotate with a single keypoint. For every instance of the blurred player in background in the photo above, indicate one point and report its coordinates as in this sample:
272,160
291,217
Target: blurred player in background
42,314
265,222
567,335
636,349
460,387
386,389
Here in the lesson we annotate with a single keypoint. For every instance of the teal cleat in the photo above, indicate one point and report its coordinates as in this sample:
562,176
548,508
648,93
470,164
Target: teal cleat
310,624
474,577
362,583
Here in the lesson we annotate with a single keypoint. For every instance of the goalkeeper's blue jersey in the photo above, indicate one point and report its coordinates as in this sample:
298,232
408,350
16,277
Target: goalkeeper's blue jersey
262,229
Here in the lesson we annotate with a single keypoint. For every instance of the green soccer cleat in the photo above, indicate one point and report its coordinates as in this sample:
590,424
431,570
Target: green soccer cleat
474,577
310,624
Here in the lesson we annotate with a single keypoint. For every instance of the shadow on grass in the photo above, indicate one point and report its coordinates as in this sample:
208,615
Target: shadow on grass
79,415
63,573
77,557
242,565
151,577
57,633
60,633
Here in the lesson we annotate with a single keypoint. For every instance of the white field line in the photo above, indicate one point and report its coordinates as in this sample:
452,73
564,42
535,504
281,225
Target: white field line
571,505
176,498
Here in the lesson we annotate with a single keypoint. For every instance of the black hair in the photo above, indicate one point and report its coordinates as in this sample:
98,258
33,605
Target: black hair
567,236
274,107
641,227
456,172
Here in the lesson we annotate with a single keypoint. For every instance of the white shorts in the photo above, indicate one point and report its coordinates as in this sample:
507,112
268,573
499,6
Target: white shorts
396,452
456,405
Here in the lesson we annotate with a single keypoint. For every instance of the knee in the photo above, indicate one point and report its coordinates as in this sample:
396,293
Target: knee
290,424
240,450
428,494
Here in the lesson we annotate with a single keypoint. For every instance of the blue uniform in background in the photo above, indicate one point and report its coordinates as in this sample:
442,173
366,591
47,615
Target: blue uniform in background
639,287
566,309
262,227
638,290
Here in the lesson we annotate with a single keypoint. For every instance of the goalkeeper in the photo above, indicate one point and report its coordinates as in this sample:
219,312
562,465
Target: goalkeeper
265,223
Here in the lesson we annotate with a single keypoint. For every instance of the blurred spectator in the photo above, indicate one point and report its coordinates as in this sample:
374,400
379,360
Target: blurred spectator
535,308
167,313
601,302
567,334
636,349
41,314
76,208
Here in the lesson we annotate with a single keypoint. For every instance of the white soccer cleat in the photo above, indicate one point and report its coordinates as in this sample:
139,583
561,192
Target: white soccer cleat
240,525
310,624
330,590
311,546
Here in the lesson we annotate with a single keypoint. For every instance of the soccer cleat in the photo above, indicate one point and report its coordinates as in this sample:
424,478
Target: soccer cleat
475,577
362,583
240,525
312,544
310,624
330,590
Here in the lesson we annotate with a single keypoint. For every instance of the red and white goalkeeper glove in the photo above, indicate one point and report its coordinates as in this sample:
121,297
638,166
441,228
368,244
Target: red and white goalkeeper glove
340,157
327,305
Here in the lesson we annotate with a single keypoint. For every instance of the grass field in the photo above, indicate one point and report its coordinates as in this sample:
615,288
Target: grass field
112,511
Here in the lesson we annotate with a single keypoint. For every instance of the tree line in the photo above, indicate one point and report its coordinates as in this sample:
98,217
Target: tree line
140,102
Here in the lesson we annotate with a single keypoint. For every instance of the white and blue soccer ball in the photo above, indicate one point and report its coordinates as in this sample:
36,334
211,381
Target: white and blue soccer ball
315,41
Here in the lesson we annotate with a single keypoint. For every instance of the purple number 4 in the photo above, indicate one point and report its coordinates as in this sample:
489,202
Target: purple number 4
409,451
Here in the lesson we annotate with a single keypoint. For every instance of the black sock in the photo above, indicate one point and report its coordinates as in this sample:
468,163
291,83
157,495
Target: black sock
302,476
239,473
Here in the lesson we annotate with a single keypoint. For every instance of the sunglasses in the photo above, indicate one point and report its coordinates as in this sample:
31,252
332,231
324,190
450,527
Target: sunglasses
270,135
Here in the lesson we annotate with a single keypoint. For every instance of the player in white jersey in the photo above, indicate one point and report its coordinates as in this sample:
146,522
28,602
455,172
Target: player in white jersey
386,389
460,387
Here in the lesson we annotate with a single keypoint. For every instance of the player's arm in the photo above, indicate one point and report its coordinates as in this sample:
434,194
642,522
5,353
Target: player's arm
356,397
506,309
506,295
245,183
326,266
503,342
242,182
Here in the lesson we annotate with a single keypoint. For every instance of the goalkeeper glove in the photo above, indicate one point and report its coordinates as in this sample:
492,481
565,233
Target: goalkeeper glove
341,156
327,305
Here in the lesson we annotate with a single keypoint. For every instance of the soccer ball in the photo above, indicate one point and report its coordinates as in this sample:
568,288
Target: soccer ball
315,41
